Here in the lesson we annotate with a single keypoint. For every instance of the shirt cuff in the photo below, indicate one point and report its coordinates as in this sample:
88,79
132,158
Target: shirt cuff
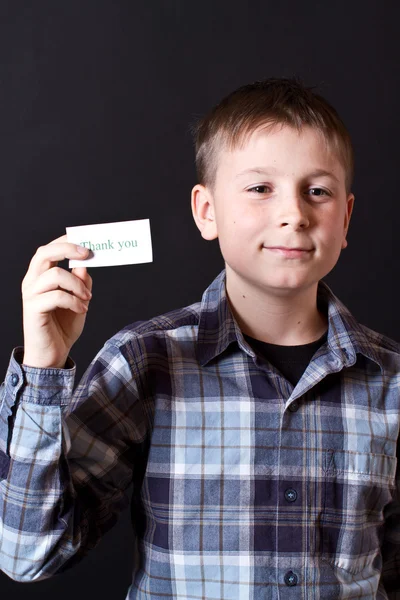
47,387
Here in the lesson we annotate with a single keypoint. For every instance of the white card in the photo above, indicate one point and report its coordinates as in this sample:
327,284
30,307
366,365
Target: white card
123,243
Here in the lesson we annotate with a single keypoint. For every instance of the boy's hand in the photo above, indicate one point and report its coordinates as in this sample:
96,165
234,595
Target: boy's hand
55,303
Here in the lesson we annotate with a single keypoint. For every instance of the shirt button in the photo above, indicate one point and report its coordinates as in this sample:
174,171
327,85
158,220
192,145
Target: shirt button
294,406
14,379
290,495
291,579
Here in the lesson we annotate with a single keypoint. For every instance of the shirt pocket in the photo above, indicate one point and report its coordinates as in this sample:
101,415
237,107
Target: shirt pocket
357,487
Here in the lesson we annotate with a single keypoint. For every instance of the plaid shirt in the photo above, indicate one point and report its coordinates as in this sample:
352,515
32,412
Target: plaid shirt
244,486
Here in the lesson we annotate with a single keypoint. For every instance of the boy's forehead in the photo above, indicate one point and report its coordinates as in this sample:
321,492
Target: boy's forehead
279,142
276,136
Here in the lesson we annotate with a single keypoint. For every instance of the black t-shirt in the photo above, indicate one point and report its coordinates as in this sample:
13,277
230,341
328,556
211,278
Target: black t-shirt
291,361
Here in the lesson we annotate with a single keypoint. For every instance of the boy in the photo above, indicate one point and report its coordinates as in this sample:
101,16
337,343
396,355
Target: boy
259,426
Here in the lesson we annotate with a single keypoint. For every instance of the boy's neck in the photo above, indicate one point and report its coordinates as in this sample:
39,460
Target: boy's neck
286,320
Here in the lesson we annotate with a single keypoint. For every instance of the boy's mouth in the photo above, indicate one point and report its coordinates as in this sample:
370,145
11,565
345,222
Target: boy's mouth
287,248
290,252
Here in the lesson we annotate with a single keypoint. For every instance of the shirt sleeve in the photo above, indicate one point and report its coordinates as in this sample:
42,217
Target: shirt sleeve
391,540
66,460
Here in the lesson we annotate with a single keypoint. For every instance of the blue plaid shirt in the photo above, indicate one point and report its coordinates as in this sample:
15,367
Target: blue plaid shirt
245,487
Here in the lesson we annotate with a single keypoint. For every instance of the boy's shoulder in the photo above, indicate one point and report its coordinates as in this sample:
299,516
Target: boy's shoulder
348,333
380,341
381,348
160,325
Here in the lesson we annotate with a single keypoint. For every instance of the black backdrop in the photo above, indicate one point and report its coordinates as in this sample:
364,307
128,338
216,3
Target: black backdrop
96,98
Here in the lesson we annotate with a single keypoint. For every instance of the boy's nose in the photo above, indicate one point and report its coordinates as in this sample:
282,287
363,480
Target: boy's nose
294,212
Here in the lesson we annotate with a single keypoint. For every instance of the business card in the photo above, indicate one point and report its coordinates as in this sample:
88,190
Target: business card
122,243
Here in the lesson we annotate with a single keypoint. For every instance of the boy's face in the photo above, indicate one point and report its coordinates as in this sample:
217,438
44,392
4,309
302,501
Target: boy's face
272,193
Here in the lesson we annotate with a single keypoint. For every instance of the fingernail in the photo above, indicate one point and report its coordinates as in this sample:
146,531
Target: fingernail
82,249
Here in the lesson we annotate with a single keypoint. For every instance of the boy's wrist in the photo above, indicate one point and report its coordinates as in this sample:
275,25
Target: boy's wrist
35,364
26,359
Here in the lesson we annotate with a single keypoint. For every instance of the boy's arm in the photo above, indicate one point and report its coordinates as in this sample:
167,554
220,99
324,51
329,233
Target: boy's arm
66,460
391,541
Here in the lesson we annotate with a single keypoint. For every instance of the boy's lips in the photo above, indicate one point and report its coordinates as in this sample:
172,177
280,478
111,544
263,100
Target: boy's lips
287,248
289,252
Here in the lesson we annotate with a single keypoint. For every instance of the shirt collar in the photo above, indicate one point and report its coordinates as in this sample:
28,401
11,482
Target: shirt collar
218,328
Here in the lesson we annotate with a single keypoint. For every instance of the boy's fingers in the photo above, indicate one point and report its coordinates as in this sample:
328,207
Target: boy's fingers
53,299
58,278
49,255
83,274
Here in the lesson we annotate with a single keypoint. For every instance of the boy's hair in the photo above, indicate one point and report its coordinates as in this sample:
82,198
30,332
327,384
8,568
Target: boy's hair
269,102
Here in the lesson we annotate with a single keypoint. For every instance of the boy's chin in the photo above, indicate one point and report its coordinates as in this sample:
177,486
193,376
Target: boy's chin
283,286
270,280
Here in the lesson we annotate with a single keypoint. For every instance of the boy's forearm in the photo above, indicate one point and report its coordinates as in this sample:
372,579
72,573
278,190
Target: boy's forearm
34,493
65,483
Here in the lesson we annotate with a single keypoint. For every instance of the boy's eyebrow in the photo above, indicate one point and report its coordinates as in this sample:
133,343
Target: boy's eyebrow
273,171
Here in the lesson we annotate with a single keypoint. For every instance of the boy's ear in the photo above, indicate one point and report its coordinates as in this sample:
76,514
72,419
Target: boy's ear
349,210
203,212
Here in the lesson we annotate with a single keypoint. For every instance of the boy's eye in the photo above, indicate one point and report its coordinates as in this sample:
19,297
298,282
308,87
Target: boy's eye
320,191
258,188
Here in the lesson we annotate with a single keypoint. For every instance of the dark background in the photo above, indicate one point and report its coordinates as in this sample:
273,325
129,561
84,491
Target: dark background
96,99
